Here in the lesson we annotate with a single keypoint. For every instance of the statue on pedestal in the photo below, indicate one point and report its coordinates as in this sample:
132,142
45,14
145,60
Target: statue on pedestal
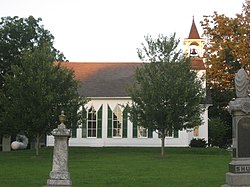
239,167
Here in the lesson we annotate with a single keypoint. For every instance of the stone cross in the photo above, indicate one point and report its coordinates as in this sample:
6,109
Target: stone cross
59,176
239,167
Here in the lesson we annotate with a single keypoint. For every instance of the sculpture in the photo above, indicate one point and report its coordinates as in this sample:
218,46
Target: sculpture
20,143
241,83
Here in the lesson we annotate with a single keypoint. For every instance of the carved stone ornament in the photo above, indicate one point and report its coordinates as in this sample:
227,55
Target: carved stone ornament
245,107
239,104
241,83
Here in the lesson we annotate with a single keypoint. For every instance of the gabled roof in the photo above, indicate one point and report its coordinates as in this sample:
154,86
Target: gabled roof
104,79
193,32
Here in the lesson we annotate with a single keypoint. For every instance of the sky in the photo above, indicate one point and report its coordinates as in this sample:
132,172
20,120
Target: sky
112,30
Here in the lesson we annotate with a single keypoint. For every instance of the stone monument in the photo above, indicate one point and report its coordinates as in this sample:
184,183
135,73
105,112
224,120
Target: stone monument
6,140
239,167
59,176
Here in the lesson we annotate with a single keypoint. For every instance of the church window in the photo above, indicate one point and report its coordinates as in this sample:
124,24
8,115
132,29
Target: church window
73,132
91,122
196,131
142,132
171,134
117,122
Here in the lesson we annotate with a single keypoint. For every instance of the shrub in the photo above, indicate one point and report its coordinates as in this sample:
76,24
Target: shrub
218,132
198,142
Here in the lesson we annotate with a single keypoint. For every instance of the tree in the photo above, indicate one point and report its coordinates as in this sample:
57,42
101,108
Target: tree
217,131
18,35
37,93
227,49
167,94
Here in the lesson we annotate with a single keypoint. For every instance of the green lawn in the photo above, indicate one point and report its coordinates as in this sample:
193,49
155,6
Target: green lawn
117,167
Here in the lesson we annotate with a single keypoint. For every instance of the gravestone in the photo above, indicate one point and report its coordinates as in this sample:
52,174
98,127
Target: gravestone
6,141
59,176
239,167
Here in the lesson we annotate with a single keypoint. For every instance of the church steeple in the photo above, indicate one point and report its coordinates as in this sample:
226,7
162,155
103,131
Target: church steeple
193,34
194,44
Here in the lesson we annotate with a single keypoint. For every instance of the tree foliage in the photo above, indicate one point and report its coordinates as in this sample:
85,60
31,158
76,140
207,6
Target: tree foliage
35,93
228,47
167,93
18,35
21,41
217,131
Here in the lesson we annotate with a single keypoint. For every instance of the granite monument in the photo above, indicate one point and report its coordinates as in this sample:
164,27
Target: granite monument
59,176
239,108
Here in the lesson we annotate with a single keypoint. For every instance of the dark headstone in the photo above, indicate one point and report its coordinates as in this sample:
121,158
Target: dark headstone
244,137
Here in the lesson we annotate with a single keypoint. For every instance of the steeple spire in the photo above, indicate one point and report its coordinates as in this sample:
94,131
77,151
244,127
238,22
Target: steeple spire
193,31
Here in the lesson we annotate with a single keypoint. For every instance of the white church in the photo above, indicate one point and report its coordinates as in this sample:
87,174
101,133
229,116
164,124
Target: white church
105,117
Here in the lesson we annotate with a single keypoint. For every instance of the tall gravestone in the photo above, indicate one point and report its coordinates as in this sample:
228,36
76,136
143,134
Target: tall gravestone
239,167
59,176
6,141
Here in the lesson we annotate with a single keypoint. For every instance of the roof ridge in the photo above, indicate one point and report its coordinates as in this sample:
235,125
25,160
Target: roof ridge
102,62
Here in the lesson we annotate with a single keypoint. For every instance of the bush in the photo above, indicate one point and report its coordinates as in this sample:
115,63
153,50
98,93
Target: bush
218,132
198,142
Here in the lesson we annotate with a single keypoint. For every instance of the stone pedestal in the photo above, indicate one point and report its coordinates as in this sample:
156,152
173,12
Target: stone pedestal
239,167
59,176
6,141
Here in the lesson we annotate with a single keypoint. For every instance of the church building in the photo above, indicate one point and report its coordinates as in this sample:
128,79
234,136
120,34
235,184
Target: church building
105,116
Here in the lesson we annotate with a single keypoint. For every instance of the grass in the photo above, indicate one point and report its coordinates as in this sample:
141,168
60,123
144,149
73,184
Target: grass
119,167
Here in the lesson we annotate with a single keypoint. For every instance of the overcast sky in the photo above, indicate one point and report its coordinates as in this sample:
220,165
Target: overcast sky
111,30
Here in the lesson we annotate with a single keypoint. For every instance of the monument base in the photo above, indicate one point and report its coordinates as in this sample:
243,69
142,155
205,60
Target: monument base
59,178
58,183
237,180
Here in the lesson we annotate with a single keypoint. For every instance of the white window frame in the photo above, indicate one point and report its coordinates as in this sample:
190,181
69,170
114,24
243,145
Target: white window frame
118,120
92,121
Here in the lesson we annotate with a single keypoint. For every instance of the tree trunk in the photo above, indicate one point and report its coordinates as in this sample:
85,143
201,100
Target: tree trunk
37,144
162,144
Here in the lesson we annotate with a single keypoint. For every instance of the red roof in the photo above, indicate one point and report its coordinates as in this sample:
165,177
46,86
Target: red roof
105,79
193,32
197,63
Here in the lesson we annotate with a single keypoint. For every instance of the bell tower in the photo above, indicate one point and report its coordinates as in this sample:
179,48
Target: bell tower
194,44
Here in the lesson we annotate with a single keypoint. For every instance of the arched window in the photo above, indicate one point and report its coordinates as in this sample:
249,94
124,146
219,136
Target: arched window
91,122
193,49
117,122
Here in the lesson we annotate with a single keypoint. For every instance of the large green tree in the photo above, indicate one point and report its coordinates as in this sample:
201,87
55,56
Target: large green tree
227,49
167,93
35,93
18,35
